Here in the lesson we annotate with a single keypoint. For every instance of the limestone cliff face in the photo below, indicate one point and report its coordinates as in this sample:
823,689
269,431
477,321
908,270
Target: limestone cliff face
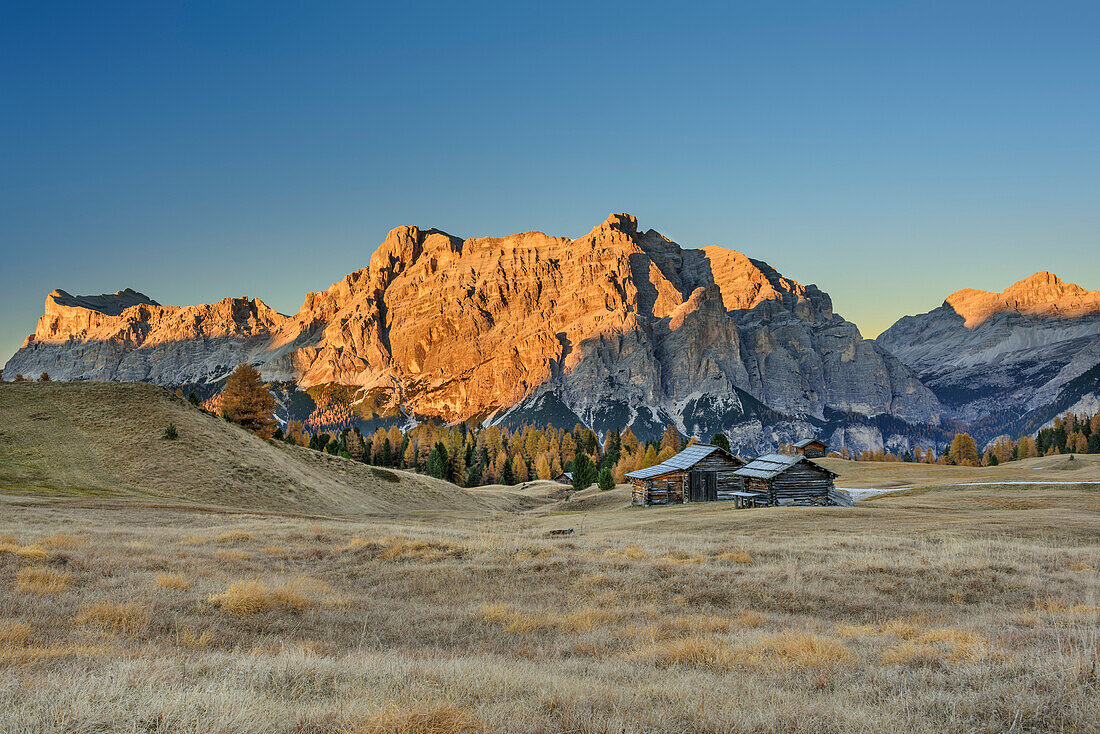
990,353
618,327
126,336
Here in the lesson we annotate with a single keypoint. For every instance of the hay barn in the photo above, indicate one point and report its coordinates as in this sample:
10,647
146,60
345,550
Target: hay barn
811,448
699,473
791,479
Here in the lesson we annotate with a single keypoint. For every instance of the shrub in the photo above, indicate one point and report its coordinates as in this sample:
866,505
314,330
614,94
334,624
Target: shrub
170,433
606,480
385,474
41,580
44,377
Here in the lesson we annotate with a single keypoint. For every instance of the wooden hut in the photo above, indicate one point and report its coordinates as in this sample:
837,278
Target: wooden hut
566,477
811,448
699,473
784,479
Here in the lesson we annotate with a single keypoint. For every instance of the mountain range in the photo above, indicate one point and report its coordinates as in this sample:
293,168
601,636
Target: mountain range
616,328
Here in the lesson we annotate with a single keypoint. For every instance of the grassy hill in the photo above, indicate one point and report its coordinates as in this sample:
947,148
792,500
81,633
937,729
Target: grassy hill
106,438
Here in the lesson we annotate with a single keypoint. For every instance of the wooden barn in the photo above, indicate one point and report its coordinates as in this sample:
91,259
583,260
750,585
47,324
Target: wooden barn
783,479
811,448
699,473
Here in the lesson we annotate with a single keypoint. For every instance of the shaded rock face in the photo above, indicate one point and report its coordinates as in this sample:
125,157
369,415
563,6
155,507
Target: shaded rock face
984,353
615,328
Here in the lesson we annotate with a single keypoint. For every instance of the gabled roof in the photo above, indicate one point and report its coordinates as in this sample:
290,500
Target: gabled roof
771,465
686,459
807,441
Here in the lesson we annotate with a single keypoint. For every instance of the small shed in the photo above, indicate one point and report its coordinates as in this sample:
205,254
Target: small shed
699,473
811,448
566,477
791,479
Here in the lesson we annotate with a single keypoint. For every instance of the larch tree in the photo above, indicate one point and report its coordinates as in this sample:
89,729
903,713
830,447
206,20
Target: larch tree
671,439
964,451
247,401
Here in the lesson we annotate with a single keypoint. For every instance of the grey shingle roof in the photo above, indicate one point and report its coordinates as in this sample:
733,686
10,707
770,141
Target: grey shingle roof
686,459
807,441
770,465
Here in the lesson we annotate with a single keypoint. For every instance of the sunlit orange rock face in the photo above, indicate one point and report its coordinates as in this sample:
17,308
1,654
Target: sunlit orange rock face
1042,294
615,327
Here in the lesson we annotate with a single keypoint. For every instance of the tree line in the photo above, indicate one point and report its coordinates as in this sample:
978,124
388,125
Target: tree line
469,456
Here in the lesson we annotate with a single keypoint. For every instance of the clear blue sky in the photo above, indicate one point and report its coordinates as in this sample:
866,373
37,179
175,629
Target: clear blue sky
890,152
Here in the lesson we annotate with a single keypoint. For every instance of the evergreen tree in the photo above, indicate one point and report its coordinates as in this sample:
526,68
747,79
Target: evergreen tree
606,480
247,401
507,476
473,476
720,440
438,464
193,398
1094,443
584,472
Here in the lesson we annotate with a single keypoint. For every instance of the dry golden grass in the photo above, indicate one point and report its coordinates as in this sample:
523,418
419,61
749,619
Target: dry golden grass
926,612
186,637
736,557
392,718
114,617
172,581
59,541
15,634
253,597
41,580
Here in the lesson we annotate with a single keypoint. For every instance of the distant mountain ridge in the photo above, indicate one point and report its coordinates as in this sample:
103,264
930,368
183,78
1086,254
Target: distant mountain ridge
617,327
993,357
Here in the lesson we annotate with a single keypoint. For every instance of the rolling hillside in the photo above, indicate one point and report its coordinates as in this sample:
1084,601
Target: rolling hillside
106,438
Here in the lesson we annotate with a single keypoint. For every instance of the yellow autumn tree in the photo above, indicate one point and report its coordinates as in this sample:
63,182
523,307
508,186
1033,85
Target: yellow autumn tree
247,401
964,451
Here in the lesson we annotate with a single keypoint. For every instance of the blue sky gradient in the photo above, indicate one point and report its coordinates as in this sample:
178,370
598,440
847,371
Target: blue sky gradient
891,152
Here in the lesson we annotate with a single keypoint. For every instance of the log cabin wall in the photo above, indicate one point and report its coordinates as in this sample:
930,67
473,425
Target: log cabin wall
801,484
723,467
667,489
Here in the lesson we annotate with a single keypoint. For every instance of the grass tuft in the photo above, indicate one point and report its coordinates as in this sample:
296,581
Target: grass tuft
172,581
114,617
41,580
426,719
14,634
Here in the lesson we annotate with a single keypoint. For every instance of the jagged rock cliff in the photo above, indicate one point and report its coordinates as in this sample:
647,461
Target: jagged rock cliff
618,327
986,354
128,337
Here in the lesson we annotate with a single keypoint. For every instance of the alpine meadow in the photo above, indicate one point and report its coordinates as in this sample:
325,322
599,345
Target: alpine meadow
573,368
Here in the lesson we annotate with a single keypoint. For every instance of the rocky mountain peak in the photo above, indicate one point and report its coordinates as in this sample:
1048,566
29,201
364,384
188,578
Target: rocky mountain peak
616,327
1042,287
1041,294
